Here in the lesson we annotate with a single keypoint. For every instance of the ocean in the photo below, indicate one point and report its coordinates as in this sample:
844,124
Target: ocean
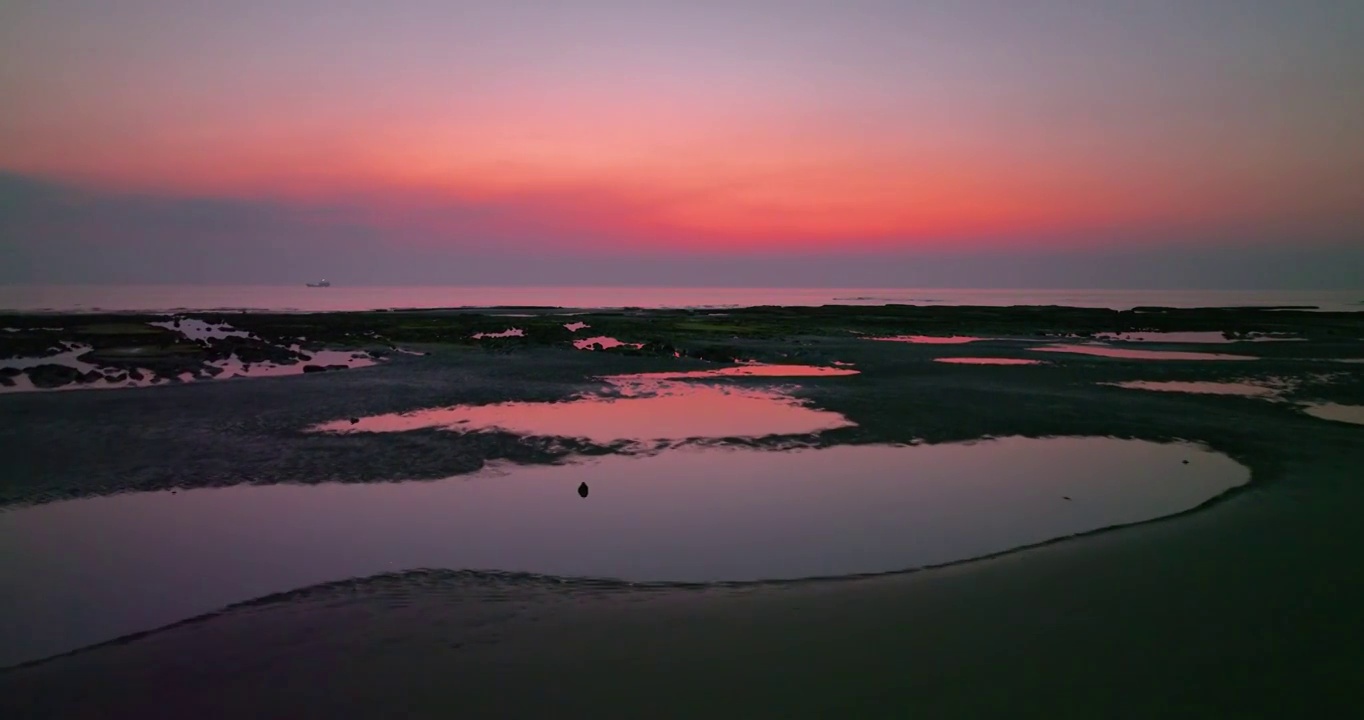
159,298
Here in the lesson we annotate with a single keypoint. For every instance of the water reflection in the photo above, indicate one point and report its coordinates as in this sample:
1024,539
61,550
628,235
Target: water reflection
670,411
68,357
126,377
1353,414
602,342
331,359
510,332
1136,354
930,339
1266,388
93,569
746,370
196,329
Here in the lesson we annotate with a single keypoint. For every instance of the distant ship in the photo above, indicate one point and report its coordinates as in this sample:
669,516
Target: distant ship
320,283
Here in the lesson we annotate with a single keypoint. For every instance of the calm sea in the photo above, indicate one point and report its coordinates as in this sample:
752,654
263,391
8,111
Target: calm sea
299,298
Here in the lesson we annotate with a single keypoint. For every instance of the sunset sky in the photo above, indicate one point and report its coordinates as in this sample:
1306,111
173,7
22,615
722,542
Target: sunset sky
1189,142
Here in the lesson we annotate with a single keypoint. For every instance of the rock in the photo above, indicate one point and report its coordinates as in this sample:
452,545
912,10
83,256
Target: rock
92,376
354,420
7,372
51,375
314,368
582,490
338,367
5,381
135,374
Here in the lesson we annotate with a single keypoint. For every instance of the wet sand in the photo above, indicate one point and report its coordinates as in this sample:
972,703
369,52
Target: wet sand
1248,606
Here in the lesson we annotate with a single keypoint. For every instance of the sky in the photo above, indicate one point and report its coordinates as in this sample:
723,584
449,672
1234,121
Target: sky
966,143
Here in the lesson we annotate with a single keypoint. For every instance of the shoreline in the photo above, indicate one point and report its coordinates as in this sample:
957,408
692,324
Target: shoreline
942,639
1113,621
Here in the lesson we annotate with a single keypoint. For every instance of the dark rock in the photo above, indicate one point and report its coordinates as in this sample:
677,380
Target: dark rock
354,420
1186,462
51,375
338,367
314,369
582,490
135,374
92,376
5,381
6,372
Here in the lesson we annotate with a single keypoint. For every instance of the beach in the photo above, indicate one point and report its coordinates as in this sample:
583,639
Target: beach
1244,603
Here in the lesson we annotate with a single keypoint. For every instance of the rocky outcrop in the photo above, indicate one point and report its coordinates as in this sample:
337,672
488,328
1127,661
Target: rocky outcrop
51,375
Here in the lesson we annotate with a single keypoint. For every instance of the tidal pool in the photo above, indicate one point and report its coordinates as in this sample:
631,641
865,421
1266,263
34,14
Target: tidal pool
746,370
196,329
1353,414
1267,389
84,571
510,332
929,339
604,341
986,361
660,411
234,367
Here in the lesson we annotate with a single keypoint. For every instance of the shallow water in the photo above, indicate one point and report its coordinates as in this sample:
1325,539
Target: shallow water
1353,414
511,332
1137,354
986,361
233,367
66,357
669,411
93,569
605,342
195,329
748,370
1246,389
